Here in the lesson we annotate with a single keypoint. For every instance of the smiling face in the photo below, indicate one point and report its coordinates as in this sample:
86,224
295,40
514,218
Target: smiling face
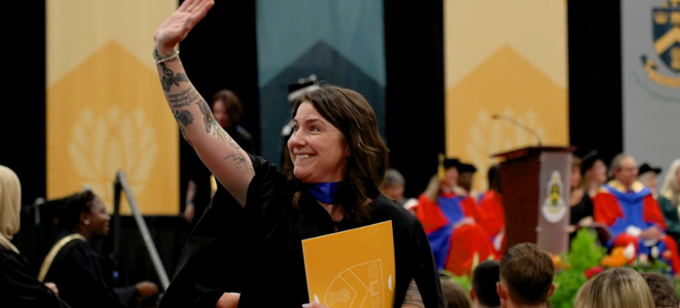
318,149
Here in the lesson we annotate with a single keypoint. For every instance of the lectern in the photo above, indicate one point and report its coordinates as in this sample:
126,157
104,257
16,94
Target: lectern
535,185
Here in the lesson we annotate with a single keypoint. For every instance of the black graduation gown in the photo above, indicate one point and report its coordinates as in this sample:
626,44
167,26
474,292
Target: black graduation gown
257,250
84,280
19,287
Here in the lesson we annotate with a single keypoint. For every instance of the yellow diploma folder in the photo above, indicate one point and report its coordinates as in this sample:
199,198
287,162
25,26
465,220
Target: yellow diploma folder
352,269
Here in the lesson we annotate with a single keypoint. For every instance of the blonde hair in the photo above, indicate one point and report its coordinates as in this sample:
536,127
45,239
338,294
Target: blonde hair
615,288
10,207
671,188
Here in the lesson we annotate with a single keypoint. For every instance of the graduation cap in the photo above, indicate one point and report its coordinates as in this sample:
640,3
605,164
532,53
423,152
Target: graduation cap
589,159
446,163
466,168
303,85
647,168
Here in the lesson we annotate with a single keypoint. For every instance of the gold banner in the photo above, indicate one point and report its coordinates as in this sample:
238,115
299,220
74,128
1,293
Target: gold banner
655,76
507,58
105,108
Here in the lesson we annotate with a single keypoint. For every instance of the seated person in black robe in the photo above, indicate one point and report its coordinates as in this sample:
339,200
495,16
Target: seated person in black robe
17,281
246,251
82,274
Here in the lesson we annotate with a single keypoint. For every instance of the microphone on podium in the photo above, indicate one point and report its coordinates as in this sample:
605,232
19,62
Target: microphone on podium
511,120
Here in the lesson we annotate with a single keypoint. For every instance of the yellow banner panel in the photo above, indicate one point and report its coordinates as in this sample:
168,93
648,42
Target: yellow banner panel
506,58
105,108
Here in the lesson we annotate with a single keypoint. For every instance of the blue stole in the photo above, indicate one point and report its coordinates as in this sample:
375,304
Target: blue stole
324,192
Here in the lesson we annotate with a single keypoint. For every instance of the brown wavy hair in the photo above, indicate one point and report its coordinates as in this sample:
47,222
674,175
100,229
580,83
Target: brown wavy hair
367,163
231,103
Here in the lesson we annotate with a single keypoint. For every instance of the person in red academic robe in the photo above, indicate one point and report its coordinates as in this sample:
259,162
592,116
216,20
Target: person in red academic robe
632,213
450,220
491,207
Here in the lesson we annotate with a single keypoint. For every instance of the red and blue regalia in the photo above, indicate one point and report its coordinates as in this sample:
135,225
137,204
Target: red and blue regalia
629,212
454,248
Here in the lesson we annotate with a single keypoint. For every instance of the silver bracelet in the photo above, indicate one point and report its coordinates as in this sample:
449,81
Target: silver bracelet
169,57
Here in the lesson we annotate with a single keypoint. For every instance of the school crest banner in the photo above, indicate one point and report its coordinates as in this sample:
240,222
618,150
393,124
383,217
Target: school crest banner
651,80
105,107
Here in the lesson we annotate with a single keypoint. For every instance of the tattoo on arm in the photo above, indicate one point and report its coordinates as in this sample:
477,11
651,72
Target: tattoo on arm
183,99
413,298
207,115
239,159
184,118
170,78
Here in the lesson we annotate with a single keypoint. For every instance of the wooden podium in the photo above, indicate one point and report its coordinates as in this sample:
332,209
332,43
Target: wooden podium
535,185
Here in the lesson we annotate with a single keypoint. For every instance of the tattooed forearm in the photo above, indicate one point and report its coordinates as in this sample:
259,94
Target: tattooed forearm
413,298
207,115
170,78
184,98
184,116
239,159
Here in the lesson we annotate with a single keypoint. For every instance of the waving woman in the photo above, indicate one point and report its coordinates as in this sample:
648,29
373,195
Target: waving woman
247,249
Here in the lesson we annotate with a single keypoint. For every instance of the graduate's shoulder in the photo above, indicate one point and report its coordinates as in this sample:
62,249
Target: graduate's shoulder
384,209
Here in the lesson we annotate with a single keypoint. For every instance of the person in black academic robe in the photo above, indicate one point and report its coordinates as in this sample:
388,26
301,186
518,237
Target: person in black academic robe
19,286
82,274
246,250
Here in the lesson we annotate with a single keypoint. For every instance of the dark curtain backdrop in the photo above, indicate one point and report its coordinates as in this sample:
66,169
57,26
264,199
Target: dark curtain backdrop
414,96
221,53
595,103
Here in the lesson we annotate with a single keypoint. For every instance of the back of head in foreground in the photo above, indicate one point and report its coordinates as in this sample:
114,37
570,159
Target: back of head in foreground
615,288
526,276
663,293
484,280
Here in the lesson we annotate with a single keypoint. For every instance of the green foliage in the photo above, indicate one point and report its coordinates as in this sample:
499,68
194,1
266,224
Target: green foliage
585,253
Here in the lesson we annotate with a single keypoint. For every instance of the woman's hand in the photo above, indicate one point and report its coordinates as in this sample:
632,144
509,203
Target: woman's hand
52,287
178,25
228,300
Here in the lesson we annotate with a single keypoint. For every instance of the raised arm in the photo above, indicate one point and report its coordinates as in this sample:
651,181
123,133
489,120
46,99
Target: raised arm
216,149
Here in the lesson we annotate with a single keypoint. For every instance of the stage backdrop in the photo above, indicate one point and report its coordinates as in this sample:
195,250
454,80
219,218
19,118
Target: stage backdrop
105,106
341,42
507,58
651,80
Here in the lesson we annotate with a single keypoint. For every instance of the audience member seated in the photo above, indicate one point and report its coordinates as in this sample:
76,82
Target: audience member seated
647,176
526,277
632,214
491,207
450,221
393,187
662,290
484,280
581,204
594,172
82,274
17,282
669,200
615,288
454,295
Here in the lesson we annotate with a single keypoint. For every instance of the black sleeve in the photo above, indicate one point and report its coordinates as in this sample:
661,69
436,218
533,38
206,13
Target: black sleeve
127,296
20,289
82,282
426,274
221,251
